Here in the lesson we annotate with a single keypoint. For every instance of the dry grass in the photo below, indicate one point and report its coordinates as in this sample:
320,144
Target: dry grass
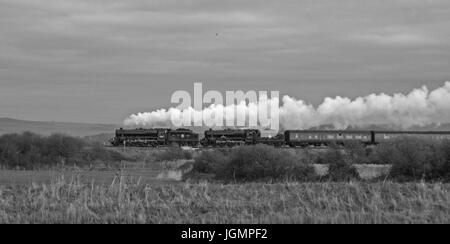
365,171
372,171
146,172
146,191
174,170
126,201
321,169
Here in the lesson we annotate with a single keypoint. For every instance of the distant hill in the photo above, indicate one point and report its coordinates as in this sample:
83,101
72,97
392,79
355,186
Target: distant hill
8,125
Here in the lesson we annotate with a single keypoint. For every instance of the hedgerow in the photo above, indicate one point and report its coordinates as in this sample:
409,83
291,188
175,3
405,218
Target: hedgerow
172,154
252,163
32,151
414,159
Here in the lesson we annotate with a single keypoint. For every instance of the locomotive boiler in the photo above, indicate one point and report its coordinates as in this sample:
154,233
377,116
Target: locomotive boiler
230,137
156,137
183,137
140,137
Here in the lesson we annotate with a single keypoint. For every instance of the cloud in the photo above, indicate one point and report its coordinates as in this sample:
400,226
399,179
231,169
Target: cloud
395,37
118,55
418,107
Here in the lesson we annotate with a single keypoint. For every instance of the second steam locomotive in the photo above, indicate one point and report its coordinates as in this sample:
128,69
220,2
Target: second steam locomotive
235,137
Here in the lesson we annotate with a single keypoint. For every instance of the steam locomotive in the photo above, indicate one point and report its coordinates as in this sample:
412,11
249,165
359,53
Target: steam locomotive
154,137
234,137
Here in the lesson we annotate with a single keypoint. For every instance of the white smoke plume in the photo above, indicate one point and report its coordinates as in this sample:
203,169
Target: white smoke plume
162,117
419,107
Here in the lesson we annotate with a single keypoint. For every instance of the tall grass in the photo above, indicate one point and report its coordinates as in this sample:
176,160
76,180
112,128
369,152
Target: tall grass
123,201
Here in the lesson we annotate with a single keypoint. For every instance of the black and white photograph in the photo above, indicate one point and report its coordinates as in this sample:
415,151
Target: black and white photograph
209,113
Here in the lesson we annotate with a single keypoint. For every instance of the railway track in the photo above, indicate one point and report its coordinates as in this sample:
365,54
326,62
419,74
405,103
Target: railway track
212,148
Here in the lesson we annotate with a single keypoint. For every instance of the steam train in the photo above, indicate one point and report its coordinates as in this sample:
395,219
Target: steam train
154,137
234,137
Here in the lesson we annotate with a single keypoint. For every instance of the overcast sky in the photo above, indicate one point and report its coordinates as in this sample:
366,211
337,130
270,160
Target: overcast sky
101,60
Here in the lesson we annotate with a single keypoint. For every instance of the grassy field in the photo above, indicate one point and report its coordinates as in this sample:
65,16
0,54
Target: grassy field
145,176
150,191
125,201
142,172
146,173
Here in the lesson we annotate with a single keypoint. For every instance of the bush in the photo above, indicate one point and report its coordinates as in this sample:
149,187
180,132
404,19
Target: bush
357,153
172,154
444,169
31,151
253,163
98,152
210,162
414,159
340,165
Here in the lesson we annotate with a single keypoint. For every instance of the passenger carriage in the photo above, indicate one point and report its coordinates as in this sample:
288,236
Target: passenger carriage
295,138
385,136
